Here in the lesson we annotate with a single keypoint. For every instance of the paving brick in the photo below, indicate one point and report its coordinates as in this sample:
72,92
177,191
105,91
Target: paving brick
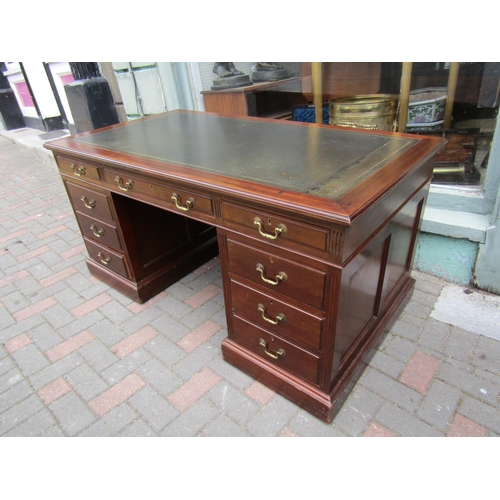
123,367
17,343
487,355
172,329
469,383
463,427
97,355
45,337
133,342
163,380
288,432
377,430
116,313
91,305
15,394
86,382
403,423
117,394
238,379
33,253
19,413
460,344
35,308
407,330
439,404
58,316
199,336
204,295
13,278
9,378
420,371
191,421
53,391
55,370
386,364
136,308
236,405
400,348
305,424
260,393
196,387
273,417
80,324
201,314
481,413
153,407
391,390
357,410
30,359
141,320
138,428
72,413
165,350
434,335
107,332
111,423
69,346
34,426
196,361
223,426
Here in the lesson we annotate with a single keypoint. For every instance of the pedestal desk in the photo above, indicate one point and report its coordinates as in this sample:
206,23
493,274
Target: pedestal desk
315,227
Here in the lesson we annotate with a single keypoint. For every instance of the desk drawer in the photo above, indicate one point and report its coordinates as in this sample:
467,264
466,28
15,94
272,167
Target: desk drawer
275,228
98,230
275,350
91,202
277,274
78,168
107,258
276,316
185,201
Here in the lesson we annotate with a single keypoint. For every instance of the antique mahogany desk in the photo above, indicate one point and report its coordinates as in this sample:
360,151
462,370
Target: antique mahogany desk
315,227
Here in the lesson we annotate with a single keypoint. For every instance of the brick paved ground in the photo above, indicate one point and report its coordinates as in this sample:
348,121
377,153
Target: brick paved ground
79,359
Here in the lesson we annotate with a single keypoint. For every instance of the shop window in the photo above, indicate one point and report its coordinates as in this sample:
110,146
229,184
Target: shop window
24,95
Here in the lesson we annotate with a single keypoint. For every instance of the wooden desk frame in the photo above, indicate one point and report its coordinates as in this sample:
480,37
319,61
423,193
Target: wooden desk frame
309,281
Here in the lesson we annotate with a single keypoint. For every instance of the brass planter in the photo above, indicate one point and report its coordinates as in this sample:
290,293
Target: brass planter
369,111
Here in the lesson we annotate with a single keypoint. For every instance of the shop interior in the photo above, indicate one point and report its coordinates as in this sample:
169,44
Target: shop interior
458,101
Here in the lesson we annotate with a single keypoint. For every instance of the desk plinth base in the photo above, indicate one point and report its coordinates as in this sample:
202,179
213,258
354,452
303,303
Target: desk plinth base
321,404
147,288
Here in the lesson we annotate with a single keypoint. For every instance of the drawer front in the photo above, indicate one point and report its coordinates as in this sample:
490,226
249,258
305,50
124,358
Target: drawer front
277,317
78,169
277,274
90,202
105,233
107,258
275,350
181,200
274,228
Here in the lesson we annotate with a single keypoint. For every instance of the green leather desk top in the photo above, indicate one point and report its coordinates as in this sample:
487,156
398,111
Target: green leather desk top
322,161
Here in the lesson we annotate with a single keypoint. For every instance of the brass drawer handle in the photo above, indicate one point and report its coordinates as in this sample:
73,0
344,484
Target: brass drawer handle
279,230
279,277
189,203
280,317
271,354
98,233
90,204
124,187
104,260
78,170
